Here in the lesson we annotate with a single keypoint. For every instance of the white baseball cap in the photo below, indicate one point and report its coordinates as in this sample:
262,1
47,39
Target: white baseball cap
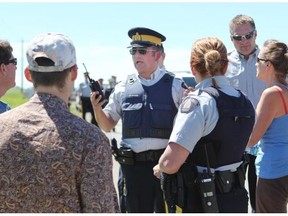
54,46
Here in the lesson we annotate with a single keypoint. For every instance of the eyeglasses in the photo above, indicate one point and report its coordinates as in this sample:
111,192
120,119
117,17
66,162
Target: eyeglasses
13,61
141,50
260,59
243,37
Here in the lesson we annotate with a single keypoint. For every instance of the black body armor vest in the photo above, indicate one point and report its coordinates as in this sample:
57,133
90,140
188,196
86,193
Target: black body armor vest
148,111
226,143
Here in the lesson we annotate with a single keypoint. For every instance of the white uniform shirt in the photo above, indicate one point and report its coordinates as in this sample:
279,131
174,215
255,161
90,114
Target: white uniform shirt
84,90
114,109
198,114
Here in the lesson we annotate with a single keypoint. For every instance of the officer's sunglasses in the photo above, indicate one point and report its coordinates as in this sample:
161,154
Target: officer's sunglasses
13,61
243,37
141,50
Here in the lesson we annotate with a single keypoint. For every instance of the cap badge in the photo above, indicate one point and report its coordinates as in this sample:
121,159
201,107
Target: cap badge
137,37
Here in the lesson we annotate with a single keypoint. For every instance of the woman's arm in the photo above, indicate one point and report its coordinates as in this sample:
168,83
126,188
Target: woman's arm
266,111
171,160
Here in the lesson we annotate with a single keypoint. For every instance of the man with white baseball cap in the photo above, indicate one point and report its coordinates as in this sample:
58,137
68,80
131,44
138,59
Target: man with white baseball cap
51,160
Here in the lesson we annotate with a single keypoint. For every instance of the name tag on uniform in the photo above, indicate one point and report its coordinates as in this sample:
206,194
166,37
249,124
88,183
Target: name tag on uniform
188,105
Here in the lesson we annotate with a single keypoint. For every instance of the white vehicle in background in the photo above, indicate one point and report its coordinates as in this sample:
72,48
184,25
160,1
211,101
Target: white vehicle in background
187,77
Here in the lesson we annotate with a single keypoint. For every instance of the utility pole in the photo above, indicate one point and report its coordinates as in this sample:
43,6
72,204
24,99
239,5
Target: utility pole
22,65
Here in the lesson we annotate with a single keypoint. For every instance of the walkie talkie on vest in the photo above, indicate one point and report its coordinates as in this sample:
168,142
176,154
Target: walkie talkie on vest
94,85
206,181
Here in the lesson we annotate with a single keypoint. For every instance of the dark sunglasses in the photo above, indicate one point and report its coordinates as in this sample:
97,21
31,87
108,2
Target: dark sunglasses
260,59
141,50
243,37
13,61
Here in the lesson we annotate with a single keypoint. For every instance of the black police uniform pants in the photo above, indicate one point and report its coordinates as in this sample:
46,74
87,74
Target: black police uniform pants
252,180
142,191
87,107
121,189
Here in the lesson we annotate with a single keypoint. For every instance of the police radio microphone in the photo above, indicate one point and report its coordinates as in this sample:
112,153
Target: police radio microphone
184,85
94,85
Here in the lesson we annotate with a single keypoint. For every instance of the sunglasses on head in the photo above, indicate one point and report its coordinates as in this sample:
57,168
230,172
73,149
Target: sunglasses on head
13,61
243,37
141,50
260,59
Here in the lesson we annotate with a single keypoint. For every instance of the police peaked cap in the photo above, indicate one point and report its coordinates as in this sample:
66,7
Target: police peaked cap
145,37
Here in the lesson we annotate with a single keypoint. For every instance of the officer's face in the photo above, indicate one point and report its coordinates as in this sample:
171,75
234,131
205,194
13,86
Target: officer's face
145,60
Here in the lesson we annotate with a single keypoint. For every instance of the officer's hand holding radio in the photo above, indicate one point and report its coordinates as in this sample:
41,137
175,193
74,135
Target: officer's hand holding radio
95,89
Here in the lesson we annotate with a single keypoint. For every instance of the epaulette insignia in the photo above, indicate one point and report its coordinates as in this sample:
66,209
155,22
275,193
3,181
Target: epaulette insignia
188,104
131,81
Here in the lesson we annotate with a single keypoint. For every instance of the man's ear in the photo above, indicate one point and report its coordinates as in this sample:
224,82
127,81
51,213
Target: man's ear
163,56
158,55
27,74
74,72
3,68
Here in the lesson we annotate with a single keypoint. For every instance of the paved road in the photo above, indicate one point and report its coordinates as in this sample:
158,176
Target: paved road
117,136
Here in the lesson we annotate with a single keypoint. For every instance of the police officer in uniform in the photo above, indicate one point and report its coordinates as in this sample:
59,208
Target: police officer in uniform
209,137
84,92
146,102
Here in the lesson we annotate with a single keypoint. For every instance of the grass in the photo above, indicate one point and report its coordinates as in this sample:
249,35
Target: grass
73,109
14,97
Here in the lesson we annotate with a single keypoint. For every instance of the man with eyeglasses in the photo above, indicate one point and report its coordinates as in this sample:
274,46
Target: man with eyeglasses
8,66
146,102
242,74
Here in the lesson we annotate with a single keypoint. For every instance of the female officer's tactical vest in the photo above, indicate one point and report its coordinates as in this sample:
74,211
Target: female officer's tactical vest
148,111
226,143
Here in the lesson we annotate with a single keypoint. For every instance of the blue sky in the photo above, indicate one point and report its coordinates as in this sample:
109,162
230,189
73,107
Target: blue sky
99,29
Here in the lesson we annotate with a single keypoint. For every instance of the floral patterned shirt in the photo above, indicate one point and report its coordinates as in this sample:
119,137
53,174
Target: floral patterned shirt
53,161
